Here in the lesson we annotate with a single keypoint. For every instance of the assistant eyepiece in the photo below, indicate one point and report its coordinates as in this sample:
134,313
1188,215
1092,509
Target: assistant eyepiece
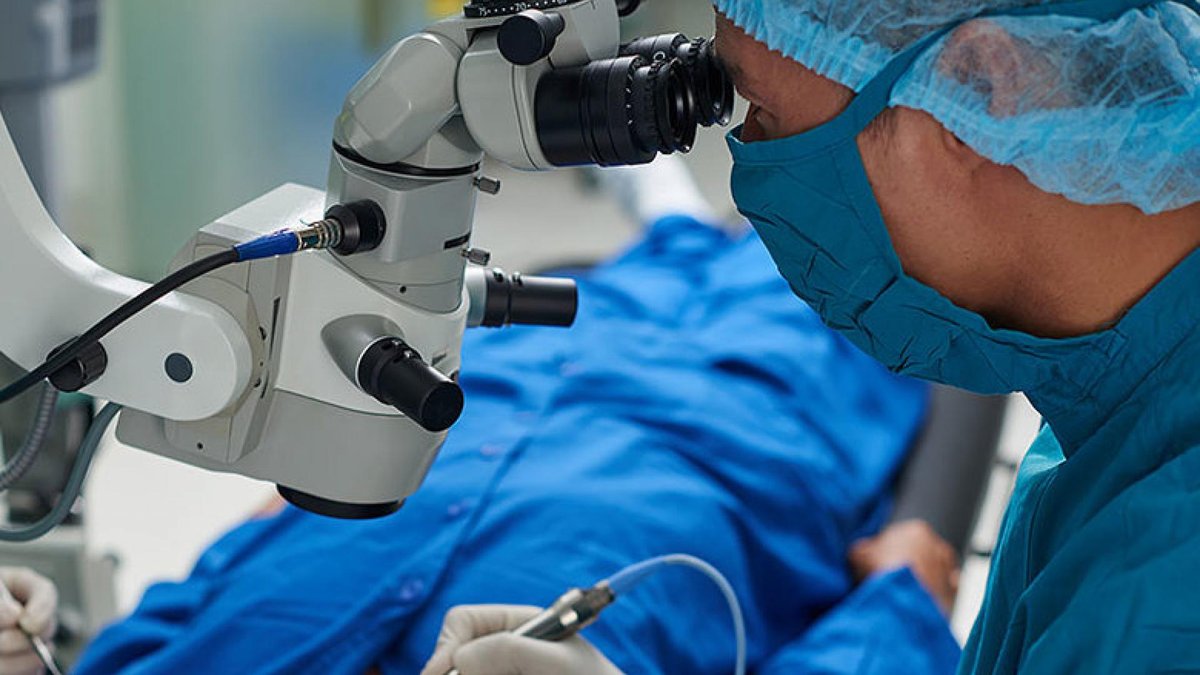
500,299
396,375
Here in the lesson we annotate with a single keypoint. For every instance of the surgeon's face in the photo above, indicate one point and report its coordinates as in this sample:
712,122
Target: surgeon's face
979,232
923,177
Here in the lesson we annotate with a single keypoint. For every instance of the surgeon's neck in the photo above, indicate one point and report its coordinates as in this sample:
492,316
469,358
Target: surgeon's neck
1081,268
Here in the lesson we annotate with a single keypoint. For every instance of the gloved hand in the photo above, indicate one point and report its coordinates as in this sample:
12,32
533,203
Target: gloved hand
476,642
32,608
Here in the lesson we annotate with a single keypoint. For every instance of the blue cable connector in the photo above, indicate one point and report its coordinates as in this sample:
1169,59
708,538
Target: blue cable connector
283,242
320,235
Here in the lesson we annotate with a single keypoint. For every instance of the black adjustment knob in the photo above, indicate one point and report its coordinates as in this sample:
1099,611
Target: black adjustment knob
396,375
79,372
363,226
530,36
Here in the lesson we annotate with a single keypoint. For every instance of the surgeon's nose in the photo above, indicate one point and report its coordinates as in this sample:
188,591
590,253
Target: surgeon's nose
752,130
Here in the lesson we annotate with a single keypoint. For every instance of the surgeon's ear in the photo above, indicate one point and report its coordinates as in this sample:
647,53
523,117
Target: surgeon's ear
923,138
1011,76
964,156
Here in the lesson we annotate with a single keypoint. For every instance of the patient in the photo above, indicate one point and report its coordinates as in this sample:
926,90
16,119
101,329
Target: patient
696,407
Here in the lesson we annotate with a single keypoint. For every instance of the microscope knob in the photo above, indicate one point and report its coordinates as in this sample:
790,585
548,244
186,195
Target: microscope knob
396,375
530,36
80,371
363,226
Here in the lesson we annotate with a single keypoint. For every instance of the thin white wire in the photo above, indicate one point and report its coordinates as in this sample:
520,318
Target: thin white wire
631,576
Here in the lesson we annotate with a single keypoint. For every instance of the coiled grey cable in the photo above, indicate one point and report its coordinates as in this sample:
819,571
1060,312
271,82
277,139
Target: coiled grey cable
83,462
18,465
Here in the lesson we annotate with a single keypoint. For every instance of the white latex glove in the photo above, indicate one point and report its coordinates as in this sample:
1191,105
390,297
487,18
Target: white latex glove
476,641
31,608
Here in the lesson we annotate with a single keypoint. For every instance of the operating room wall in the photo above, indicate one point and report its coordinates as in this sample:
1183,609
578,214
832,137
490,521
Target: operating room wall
201,105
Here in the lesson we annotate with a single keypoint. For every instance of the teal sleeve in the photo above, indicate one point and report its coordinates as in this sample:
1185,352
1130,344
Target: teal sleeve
889,624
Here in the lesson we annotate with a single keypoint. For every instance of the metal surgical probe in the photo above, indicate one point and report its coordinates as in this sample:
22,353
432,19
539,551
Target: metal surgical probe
579,608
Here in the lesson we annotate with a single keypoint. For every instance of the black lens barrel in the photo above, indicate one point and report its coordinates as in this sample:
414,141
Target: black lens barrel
625,111
615,112
396,375
714,86
664,108
711,84
522,300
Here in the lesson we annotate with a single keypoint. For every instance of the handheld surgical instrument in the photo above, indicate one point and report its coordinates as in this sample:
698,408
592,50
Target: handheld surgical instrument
334,374
579,608
40,648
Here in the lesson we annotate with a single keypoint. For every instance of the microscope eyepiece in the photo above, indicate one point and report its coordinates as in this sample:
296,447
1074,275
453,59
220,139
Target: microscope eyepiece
664,108
711,83
714,86
624,111
515,299
396,375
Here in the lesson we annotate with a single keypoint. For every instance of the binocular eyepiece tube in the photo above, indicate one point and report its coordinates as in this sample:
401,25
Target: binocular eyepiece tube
650,99
710,82
371,354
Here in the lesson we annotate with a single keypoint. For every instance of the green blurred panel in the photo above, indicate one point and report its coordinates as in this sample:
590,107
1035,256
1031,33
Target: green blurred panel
223,100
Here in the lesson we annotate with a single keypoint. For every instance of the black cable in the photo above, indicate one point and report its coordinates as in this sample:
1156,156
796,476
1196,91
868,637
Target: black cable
119,316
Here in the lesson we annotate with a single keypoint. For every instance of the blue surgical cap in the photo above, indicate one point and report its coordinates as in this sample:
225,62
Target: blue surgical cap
1102,112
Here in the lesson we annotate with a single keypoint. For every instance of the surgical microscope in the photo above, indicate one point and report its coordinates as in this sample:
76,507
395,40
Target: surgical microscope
333,372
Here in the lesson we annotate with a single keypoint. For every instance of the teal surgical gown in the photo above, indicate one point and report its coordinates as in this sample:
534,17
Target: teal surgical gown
1099,555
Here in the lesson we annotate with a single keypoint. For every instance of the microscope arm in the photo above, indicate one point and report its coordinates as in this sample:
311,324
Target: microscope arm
445,97
403,102
53,293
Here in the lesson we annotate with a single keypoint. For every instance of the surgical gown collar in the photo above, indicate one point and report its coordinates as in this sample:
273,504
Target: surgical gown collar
1140,345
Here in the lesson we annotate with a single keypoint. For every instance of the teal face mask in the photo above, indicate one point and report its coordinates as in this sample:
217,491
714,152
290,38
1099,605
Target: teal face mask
809,198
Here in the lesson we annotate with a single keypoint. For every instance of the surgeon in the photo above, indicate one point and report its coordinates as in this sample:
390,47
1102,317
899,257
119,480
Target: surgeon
1000,195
